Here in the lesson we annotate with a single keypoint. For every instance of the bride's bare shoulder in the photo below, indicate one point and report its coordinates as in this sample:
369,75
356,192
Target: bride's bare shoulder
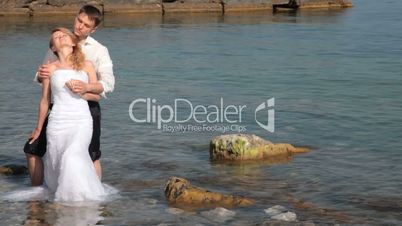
54,65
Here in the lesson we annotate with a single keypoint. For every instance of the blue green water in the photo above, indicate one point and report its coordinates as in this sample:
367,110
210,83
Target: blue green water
335,76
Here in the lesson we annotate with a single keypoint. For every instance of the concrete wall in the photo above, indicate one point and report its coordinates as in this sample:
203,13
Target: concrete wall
43,7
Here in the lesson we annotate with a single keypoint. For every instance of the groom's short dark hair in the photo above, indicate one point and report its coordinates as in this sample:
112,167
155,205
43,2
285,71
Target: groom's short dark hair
92,12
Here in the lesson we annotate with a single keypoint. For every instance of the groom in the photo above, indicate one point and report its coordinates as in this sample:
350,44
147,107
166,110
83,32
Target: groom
86,23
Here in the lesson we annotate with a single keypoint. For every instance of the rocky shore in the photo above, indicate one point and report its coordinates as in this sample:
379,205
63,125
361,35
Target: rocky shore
54,7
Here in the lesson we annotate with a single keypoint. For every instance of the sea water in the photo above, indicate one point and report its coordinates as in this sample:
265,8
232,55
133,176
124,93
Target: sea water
336,79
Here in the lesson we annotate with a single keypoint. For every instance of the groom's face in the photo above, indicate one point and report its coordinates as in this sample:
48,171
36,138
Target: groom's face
83,25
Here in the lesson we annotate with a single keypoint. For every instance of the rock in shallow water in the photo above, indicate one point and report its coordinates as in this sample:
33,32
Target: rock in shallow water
287,216
180,192
219,214
275,210
175,211
13,169
280,213
249,147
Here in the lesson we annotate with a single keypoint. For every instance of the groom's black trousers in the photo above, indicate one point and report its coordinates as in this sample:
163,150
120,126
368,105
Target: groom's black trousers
39,148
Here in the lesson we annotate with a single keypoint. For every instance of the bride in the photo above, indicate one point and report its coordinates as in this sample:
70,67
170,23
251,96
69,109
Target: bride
69,172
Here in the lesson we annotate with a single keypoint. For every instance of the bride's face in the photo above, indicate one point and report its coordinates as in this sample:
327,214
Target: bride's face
60,40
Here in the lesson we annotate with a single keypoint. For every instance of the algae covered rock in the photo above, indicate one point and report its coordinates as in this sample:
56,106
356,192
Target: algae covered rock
13,169
179,192
249,147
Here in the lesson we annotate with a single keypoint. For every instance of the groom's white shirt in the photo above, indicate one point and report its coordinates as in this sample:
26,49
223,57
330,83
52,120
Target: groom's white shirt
99,56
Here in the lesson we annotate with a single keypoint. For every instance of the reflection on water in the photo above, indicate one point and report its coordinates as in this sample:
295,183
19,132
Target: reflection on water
45,213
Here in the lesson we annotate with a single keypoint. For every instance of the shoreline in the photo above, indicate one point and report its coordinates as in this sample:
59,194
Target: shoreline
44,8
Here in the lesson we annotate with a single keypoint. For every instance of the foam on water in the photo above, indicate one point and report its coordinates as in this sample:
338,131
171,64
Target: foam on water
42,193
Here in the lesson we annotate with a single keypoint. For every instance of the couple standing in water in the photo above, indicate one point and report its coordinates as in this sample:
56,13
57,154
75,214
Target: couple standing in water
77,74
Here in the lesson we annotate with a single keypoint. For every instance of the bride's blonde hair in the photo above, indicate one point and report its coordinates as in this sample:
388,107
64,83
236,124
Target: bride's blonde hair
77,57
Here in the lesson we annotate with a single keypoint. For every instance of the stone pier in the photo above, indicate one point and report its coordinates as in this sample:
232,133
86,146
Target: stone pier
54,7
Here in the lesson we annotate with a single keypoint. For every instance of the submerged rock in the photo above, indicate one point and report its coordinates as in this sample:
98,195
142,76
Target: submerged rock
287,216
319,212
175,211
249,147
219,214
179,192
280,213
13,169
275,210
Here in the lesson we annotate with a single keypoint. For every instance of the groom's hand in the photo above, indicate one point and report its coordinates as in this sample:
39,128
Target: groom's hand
77,86
45,71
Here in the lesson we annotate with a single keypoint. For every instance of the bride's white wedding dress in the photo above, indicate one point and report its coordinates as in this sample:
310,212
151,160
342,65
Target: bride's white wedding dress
70,175
68,169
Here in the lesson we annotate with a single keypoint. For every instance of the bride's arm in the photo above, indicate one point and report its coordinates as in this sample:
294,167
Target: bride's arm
90,70
43,109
